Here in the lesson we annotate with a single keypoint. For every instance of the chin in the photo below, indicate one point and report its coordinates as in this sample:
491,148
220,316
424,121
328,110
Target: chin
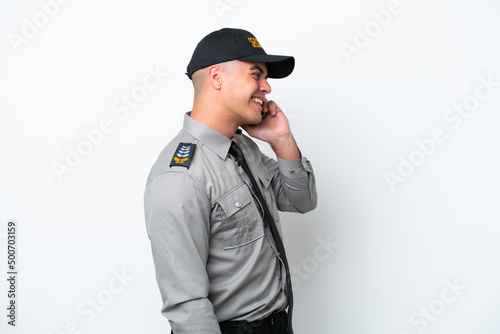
253,123
257,121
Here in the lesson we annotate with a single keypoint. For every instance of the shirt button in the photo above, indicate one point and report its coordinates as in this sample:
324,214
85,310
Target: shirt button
237,204
291,171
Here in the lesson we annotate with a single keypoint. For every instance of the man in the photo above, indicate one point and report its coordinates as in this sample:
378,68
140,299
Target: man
215,229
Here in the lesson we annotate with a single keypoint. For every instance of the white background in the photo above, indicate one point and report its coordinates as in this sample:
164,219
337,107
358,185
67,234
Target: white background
398,248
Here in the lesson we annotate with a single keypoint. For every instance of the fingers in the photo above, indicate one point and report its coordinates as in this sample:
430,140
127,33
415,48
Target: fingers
273,108
265,108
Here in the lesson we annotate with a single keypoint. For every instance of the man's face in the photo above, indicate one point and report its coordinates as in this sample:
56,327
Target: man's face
246,86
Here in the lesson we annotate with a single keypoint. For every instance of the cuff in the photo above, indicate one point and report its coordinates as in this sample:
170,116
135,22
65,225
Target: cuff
294,168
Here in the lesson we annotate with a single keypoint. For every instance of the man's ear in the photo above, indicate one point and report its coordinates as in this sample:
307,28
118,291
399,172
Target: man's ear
215,76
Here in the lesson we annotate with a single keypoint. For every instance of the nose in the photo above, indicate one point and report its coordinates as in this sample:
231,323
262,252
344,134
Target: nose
264,86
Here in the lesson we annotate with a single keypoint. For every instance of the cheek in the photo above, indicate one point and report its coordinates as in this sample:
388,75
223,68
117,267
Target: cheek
242,94
241,91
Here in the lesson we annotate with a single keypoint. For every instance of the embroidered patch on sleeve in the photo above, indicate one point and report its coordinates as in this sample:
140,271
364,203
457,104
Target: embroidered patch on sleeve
183,155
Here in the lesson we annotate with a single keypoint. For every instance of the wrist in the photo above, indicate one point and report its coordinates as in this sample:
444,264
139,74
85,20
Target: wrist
285,147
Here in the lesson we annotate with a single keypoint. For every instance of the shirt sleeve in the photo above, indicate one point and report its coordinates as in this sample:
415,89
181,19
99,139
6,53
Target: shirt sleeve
293,184
177,219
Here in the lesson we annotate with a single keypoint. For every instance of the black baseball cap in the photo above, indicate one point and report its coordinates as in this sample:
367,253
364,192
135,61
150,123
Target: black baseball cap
237,44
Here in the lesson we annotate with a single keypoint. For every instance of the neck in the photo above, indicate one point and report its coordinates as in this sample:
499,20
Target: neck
213,115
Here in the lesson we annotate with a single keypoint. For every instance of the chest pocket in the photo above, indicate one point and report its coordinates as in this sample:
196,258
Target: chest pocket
241,222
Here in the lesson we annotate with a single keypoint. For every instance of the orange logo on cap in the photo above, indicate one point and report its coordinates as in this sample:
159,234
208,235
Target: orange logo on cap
255,42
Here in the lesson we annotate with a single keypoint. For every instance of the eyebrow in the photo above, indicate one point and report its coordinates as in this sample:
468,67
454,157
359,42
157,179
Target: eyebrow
255,67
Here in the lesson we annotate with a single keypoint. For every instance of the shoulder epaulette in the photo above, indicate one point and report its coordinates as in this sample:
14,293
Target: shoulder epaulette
183,155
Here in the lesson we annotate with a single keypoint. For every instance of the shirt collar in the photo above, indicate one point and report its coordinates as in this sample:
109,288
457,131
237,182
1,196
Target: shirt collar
210,138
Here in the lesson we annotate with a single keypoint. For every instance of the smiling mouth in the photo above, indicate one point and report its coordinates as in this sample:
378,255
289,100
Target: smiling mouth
257,100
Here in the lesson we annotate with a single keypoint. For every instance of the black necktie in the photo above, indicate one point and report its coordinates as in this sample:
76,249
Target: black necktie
236,152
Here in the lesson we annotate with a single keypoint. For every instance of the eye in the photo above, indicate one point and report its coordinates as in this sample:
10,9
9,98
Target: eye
256,74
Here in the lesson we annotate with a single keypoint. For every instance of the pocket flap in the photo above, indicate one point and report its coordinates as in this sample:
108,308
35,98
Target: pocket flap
235,200
265,176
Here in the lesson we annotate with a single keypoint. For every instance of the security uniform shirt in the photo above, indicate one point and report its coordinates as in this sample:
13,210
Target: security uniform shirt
214,258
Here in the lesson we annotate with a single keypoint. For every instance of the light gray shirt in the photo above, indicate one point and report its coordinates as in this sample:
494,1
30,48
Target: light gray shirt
214,258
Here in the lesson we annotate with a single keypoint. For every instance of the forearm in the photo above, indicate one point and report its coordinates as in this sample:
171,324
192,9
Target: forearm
298,185
285,147
184,289
293,184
